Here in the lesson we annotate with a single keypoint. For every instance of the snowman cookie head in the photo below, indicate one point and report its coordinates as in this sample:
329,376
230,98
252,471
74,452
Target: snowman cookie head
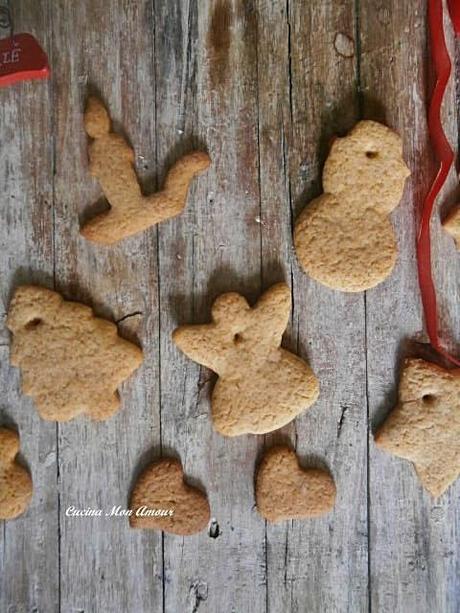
366,167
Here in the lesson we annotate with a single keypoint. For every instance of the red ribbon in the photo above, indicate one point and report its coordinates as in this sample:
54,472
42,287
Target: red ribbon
445,157
454,9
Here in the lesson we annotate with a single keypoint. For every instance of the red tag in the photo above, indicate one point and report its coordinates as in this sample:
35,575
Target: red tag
22,59
454,9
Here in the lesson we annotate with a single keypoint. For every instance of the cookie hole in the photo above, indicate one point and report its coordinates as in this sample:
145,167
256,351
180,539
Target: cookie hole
237,339
33,323
428,398
372,155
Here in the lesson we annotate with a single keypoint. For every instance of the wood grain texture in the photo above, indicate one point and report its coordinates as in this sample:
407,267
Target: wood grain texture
414,560
308,559
29,563
207,99
263,86
106,47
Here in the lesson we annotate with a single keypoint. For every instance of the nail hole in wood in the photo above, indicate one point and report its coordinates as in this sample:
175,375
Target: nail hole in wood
213,530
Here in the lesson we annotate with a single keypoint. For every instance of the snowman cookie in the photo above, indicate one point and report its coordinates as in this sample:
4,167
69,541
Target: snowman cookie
344,238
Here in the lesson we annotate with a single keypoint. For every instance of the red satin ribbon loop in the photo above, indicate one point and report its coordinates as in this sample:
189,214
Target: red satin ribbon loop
454,10
445,157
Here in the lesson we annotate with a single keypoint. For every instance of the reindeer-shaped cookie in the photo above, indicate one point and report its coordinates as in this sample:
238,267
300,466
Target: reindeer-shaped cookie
15,481
111,161
261,387
344,238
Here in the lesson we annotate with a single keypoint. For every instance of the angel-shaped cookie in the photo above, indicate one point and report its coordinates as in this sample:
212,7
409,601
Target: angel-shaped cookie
111,161
261,387
452,225
424,427
15,481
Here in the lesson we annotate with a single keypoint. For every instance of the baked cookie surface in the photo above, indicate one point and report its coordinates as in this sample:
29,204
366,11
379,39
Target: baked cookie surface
285,490
261,387
452,225
424,427
15,481
161,487
111,162
71,361
344,238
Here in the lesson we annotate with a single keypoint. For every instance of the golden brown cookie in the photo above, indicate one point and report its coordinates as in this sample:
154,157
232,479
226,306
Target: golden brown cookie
344,239
424,427
284,490
71,361
161,488
111,161
15,481
261,387
452,225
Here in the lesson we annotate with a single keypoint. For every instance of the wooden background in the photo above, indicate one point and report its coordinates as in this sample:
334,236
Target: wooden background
263,85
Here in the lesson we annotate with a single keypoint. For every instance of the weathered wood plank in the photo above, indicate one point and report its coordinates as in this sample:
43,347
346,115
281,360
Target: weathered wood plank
106,46
318,565
413,556
29,544
207,96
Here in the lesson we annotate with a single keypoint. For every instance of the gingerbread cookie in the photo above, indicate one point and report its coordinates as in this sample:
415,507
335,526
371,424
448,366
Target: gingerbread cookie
261,387
284,490
344,239
424,428
15,481
111,161
452,225
161,500
71,361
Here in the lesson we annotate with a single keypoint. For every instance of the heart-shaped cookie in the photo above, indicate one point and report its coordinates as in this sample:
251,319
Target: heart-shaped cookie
284,490
15,481
161,500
